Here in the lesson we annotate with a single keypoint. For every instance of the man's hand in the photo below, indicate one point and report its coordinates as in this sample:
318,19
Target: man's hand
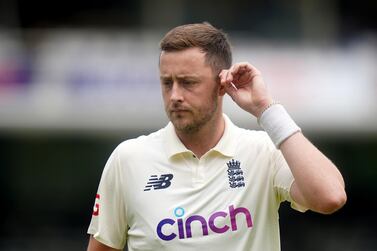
244,83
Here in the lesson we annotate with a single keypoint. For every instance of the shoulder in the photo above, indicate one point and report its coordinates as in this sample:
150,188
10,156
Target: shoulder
142,144
255,139
251,139
258,148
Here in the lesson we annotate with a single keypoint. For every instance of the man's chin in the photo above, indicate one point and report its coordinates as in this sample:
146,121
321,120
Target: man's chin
179,119
179,124
183,126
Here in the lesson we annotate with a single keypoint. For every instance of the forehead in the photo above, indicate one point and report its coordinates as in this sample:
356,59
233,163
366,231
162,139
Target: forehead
188,61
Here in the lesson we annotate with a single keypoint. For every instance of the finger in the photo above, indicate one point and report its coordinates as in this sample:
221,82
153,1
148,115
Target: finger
229,76
240,70
244,69
231,89
235,68
247,72
240,67
235,75
253,70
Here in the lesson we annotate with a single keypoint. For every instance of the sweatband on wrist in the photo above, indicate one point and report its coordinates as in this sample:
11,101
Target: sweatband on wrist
276,121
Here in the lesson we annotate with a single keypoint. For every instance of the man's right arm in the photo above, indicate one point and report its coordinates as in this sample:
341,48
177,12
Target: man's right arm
95,245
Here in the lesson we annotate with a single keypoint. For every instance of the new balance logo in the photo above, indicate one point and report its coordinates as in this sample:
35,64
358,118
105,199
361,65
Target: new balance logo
159,183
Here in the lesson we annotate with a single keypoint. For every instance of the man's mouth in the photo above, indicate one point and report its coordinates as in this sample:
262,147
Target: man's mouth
178,110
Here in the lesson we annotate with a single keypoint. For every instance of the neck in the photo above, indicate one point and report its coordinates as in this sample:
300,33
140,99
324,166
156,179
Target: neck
206,138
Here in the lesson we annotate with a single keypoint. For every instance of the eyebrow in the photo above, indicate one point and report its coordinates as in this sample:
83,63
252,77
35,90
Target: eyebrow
180,77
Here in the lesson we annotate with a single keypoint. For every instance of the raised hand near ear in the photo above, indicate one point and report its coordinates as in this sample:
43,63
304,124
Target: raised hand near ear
244,83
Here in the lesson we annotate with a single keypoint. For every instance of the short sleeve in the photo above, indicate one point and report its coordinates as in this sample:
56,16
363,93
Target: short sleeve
283,180
108,224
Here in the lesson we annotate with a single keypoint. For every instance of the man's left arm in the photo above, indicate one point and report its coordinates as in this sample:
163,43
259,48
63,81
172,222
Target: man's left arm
318,184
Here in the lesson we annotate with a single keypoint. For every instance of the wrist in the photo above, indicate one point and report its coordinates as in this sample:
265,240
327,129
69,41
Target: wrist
278,124
263,106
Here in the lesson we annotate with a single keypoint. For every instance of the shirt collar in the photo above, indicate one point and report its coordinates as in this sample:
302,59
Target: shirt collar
226,145
174,145
228,142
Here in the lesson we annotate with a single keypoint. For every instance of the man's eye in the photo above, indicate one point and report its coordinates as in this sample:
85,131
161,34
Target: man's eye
188,82
167,83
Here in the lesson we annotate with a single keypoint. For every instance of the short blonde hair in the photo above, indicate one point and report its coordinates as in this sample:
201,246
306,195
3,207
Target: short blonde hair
212,41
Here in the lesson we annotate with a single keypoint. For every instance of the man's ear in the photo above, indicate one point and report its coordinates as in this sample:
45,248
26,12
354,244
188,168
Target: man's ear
222,90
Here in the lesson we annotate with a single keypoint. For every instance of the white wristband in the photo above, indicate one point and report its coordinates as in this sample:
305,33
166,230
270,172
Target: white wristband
276,121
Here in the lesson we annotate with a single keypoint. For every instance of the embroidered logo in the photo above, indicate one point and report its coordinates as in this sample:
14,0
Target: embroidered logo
96,206
235,174
159,183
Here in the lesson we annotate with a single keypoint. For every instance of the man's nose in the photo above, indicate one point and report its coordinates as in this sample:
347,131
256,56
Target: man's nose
176,92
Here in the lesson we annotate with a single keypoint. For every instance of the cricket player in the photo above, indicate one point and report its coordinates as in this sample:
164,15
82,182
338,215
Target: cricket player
201,182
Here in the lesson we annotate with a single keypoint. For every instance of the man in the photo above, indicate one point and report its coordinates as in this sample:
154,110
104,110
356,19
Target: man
201,183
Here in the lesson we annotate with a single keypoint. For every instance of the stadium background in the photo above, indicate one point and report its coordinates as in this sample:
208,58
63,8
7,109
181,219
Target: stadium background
78,77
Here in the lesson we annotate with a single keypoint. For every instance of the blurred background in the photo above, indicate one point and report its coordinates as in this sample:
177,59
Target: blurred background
78,77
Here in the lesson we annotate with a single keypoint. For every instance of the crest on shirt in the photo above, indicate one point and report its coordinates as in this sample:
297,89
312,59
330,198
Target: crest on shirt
235,174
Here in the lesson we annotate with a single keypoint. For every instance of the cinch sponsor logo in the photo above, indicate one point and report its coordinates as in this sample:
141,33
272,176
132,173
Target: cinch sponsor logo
181,227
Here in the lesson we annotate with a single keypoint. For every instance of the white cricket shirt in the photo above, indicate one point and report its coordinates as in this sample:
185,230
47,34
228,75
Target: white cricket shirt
154,194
